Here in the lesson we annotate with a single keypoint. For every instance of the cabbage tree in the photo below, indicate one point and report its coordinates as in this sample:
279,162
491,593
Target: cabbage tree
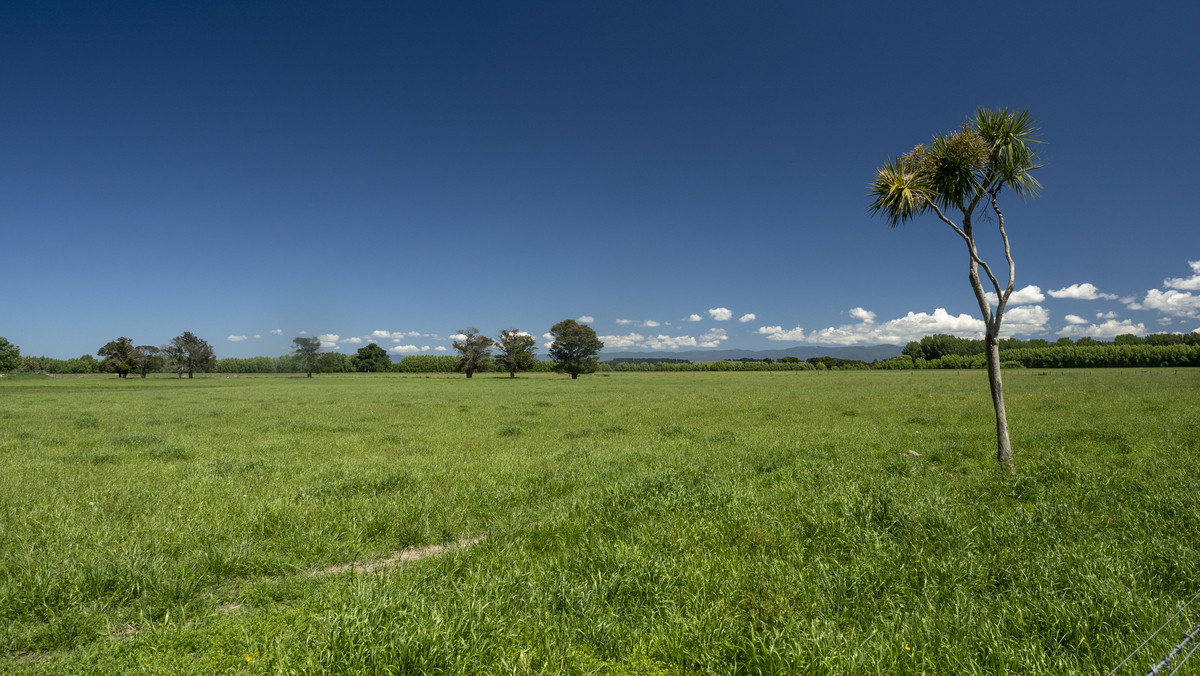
958,176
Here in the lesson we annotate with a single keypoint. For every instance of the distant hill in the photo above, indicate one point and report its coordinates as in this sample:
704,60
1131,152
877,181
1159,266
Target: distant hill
866,353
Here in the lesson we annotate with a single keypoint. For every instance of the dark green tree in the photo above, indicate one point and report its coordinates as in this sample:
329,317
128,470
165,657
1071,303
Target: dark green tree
10,355
474,351
190,353
962,173
307,351
146,358
334,362
84,364
575,348
370,359
118,356
515,351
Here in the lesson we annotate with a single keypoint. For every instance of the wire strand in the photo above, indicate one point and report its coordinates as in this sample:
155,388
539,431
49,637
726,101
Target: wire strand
1185,659
1164,624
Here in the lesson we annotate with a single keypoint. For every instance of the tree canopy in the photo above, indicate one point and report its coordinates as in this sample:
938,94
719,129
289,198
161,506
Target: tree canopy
307,349
145,358
10,355
474,351
575,348
515,351
118,356
188,352
371,358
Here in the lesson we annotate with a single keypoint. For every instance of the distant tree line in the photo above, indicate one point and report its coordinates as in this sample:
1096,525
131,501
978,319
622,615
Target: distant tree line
1125,351
189,354
574,351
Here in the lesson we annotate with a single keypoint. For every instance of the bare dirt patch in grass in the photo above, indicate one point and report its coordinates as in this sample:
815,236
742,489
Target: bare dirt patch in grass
399,558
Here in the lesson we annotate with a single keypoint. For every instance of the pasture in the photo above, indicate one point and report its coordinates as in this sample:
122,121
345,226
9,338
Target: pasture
635,523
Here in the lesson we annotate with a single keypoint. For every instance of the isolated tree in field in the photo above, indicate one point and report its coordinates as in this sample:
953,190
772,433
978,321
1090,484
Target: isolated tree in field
371,358
187,352
474,351
118,356
960,174
574,348
146,358
10,355
307,351
515,351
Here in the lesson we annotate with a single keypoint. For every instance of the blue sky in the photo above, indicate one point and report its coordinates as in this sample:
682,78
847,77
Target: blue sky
678,174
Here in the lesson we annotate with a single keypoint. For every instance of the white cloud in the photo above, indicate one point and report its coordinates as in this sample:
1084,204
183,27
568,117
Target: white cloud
721,314
627,340
668,342
586,319
1020,320
328,340
1085,291
692,318
277,332
917,325
847,334
353,340
1026,296
778,333
1075,319
1109,329
1186,283
394,336
713,338
913,326
404,349
1173,303
1024,320
649,323
235,339
424,348
459,337
1106,315
748,317
257,336
304,333
623,322
440,348
865,316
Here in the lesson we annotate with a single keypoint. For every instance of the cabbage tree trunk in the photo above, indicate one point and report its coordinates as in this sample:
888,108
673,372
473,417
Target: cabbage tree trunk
1003,445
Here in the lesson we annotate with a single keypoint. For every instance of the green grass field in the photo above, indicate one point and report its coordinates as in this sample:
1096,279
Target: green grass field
630,523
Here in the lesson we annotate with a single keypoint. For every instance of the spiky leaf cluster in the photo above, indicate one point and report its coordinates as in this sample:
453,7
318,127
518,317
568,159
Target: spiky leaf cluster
993,150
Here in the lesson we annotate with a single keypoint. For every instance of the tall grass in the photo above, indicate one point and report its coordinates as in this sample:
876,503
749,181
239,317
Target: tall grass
633,523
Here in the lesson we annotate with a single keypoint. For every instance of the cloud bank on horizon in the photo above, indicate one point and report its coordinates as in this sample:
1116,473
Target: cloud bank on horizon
1025,317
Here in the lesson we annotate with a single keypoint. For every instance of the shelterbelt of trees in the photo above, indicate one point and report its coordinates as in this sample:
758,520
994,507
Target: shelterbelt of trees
932,352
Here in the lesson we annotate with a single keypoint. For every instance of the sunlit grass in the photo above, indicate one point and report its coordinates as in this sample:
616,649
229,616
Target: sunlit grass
633,523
